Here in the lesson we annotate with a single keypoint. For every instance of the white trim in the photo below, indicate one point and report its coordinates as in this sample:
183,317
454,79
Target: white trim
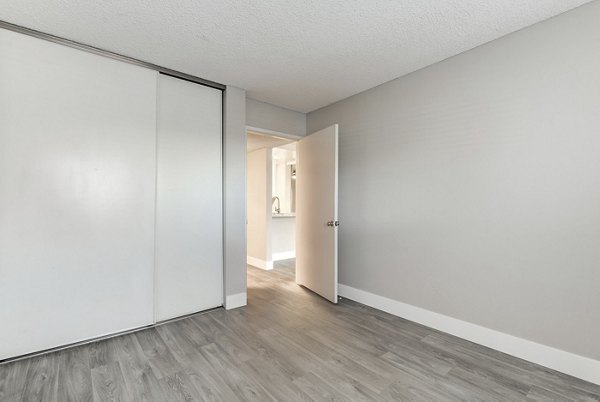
258,263
556,359
235,301
273,133
285,255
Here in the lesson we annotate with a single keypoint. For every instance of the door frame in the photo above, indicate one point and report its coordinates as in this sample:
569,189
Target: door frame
273,133
267,133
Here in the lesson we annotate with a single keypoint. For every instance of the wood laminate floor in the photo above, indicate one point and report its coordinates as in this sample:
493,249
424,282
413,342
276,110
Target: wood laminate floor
287,344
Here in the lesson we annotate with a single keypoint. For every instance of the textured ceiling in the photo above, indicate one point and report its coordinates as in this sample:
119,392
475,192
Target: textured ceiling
299,54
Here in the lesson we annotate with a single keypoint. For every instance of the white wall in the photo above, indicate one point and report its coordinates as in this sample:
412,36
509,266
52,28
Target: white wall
471,188
283,237
234,196
259,208
270,117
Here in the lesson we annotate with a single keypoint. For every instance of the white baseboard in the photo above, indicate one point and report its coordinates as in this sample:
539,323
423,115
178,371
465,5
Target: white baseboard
258,263
556,359
235,301
286,255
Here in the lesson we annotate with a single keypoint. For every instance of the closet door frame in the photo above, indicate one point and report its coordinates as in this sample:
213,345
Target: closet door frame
105,53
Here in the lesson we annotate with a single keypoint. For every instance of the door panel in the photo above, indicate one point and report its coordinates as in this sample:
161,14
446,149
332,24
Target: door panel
316,205
77,185
189,266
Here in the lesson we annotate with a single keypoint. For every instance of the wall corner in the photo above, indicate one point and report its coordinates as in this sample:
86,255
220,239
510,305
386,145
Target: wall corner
234,197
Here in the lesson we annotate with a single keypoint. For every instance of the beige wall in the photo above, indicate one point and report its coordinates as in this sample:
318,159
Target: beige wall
259,204
471,188
282,178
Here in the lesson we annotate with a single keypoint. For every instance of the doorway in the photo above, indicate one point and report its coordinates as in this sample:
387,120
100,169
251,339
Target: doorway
292,204
271,195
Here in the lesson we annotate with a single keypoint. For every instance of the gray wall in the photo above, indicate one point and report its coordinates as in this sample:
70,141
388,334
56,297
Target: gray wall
234,191
266,116
472,187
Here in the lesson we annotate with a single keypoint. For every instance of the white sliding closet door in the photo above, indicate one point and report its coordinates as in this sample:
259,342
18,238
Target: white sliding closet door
77,188
189,266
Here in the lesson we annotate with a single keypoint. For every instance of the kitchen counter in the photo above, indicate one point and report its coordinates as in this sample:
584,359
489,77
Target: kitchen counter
283,236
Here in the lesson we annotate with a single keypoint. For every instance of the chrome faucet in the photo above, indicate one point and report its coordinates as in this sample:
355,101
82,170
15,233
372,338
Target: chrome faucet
278,208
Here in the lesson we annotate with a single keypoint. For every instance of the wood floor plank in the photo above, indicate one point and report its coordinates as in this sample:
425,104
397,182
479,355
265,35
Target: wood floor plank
12,380
317,389
277,384
211,386
220,360
108,382
41,380
373,380
74,375
158,354
102,353
140,381
287,344
245,387
411,389
179,387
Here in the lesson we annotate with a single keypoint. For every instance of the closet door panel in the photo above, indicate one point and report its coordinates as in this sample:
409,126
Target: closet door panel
189,250
77,188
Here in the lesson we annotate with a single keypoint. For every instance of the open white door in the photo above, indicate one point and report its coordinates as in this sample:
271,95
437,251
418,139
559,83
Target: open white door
316,212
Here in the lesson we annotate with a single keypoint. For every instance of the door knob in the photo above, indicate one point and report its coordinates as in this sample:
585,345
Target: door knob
333,223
